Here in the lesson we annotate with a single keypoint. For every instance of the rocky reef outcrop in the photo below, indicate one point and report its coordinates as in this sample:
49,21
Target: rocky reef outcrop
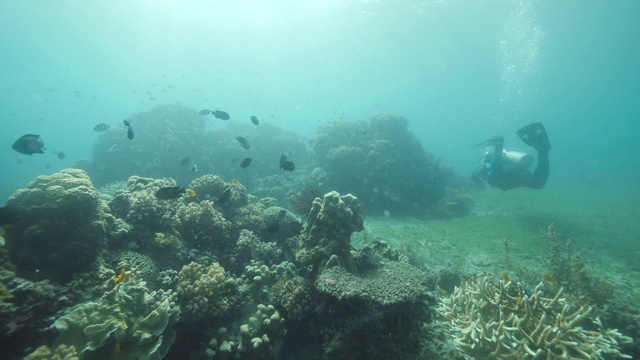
62,228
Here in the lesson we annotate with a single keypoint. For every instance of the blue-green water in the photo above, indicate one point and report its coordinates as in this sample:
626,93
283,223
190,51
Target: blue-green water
459,71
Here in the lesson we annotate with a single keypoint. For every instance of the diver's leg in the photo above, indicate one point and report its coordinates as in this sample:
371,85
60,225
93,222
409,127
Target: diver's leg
495,167
541,173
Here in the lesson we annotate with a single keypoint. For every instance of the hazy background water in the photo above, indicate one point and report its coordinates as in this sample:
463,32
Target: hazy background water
460,71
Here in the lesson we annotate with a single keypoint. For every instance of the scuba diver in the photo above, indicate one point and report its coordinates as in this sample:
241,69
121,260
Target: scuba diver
509,169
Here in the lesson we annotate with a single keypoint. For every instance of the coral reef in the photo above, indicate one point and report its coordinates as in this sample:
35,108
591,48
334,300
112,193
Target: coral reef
63,228
387,167
491,319
261,336
141,264
280,223
332,220
250,247
128,322
294,296
62,352
205,292
200,224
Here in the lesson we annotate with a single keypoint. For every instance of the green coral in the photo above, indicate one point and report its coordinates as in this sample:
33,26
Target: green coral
205,292
331,222
138,319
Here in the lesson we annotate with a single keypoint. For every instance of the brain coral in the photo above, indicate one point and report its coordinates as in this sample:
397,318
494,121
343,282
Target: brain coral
63,229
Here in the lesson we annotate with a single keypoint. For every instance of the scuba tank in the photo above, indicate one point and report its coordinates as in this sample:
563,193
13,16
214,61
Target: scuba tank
513,157
518,158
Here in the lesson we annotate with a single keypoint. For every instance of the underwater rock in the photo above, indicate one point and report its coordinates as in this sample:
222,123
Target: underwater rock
63,229
331,222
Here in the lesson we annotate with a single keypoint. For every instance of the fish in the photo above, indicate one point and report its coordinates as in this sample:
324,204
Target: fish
505,277
118,278
221,114
129,129
60,154
185,161
549,278
204,112
243,142
101,127
246,162
236,182
170,192
191,192
226,195
29,144
254,120
286,164
116,348
194,168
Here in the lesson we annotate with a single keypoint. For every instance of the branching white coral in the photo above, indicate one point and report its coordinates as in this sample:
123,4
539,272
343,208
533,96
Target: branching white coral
489,319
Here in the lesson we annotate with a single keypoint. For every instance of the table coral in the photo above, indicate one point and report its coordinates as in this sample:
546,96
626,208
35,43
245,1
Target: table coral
63,229
492,320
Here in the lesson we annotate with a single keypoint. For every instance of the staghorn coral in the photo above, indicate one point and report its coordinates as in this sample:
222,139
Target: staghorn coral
201,224
63,229
490,319
138,320
205,292
332,220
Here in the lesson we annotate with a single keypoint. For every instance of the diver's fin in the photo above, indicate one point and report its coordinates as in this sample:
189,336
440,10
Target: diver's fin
536,136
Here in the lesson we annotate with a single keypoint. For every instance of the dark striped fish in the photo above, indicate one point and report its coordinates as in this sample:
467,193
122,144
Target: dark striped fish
101,127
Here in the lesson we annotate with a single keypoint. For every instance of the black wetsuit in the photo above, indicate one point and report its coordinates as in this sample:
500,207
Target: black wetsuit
506,175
